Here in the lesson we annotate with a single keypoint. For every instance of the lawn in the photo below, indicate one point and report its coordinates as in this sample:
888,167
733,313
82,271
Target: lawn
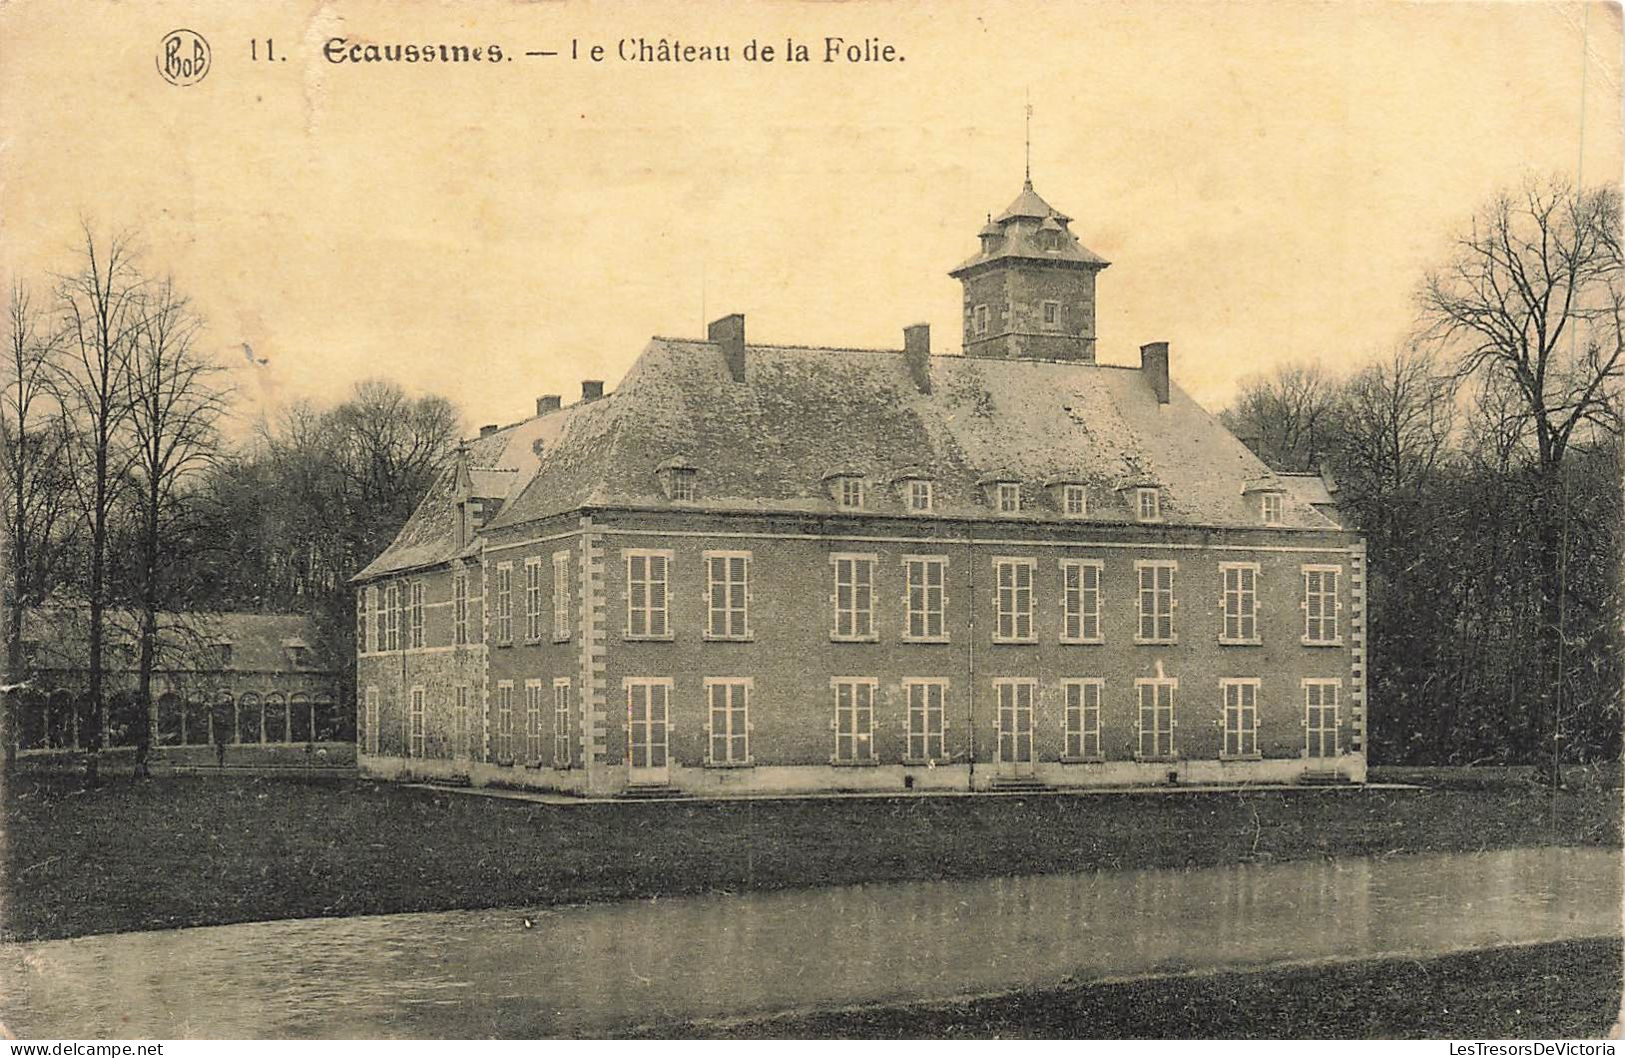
186,851
1544,991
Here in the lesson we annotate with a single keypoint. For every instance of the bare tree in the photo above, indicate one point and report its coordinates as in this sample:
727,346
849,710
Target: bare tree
30,449
1532,301
175,409
1285,417
101,305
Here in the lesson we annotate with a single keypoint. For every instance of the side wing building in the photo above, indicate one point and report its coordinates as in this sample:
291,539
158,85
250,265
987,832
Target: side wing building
756,568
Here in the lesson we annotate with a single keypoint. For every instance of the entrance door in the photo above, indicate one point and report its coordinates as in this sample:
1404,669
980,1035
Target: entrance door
1015,729
646,714
1320,719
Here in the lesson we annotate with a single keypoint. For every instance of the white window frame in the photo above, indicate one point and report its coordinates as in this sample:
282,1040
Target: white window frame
854,622
860,740
362,623
561,596
416,612
1075,600
849,493
1015,613
1047,320
503,592
379,600
370,722
1269,508
561,722
1156,684
731,604
459,608
683,484
925,737
1007,497
394,615
416,737
1013,685
533,722
459,722
640,594
533,599
980,319
504,735
921,495
920,565
1239,718
1080,493
1314,635
1336,687
1148,504
1239,606
1155,594
733,717
1080,720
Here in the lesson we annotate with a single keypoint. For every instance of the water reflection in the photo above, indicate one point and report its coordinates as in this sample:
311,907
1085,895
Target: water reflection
588,970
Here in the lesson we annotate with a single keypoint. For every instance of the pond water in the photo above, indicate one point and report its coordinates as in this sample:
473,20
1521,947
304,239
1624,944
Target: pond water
592,970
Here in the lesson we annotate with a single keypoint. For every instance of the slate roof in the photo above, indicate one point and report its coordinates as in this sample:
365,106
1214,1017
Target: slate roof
1015,235
258,642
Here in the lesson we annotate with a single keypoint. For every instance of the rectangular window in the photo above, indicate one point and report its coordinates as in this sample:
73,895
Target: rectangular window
648,590
533,600
414,744
1156,602
1082,719
682,483
380,602
854,597
361,621
854,720
1052,314
1009,497
1240,717
1149,505
1015,719
1271,502
919,495
980,318
926,720
504,603
1080,601
925,591
1239,589
1156,718
561,596
1075,501
561,722
369,725
459,724
1320,604
504,739
459,608
417,614
1320,717
533,721
851,493
395,615
1013,600
729,720
727,575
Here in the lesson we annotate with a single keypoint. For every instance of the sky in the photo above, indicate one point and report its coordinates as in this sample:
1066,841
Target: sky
1269,180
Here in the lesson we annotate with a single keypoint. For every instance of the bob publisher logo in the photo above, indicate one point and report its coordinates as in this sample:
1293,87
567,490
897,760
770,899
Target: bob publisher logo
183,57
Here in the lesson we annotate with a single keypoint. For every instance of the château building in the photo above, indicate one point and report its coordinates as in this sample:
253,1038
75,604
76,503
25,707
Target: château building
759,568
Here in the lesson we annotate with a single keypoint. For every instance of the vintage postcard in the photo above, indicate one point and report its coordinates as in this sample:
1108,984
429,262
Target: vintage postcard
802,520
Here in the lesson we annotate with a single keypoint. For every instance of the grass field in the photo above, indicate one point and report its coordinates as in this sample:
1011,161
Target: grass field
184,851
1544,991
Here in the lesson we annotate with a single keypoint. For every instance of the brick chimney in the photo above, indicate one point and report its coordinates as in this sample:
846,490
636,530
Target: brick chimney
917,354
591,389
1154,366
489,429
729,334
547,402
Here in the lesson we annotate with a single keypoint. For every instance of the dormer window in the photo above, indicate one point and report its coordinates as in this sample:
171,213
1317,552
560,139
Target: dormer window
298,656
849,493
1148,504
1270,502
1074,501
679,479
919,494
1009,496
222,655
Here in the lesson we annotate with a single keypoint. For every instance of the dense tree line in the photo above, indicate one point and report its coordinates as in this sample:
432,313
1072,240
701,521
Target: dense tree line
129,495
1483,463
